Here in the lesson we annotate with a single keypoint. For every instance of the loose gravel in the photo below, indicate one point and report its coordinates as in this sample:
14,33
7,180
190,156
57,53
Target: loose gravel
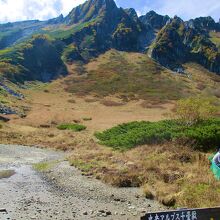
62,192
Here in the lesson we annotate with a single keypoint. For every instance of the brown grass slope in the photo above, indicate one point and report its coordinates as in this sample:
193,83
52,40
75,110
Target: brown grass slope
136,76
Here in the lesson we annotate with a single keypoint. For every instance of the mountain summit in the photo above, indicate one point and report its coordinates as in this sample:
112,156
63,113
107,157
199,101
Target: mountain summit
90,10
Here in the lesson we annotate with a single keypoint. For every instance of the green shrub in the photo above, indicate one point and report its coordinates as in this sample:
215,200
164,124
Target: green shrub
73,127
203,136
195,109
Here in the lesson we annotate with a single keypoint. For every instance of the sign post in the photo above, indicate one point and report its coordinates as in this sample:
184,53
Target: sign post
185,214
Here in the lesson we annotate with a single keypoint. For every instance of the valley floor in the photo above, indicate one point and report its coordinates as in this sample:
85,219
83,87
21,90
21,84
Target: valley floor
165,172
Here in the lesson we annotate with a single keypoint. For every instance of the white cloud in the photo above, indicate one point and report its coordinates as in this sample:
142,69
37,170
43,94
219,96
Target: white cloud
189,8
17,10
67,5
186,9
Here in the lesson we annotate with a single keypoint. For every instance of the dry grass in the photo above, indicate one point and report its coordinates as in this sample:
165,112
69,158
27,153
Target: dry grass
201,86
111,103
171,174
217,93
72,101
201,80
132,75
152,105
91,100
6,173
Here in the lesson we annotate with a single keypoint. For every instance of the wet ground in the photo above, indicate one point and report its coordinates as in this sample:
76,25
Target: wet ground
61,192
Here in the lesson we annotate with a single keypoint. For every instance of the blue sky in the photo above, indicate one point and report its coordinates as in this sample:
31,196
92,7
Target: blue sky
16,10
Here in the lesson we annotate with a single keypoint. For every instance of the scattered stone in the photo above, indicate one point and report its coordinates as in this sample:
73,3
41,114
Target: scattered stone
85,213
137,196
5,110
131,207
4,119
169,201
141,210
108,213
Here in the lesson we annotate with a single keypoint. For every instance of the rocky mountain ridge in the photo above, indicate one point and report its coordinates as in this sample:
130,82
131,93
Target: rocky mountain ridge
96,26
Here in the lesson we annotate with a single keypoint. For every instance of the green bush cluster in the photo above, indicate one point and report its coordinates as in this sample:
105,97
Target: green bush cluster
73,127
202,136
196,109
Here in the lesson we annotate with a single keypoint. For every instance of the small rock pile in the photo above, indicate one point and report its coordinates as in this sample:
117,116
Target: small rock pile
5,110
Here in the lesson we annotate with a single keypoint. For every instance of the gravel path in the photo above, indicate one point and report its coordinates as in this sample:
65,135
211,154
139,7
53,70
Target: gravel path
62,192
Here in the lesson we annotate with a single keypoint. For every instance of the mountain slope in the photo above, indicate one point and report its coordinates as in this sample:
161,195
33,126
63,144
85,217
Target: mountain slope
101,25
97,26
37,59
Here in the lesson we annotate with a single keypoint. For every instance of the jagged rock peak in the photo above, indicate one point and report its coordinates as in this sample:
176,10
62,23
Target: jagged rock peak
154,20
205,23
131,12
57,20
91,9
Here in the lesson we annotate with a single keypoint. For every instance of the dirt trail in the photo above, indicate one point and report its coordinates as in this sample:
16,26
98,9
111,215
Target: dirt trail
62,192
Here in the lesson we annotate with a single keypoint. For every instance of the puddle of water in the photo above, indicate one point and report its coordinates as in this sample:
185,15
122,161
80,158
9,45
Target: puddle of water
4,214
6,173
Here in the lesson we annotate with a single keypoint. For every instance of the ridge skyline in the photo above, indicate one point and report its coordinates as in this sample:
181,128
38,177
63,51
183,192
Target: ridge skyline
51,9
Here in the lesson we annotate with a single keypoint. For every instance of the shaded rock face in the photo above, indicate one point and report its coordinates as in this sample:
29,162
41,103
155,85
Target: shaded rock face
4,119
179,42
37,59
5,110
204,24
11,92
154,20
132,13
169,48
43,60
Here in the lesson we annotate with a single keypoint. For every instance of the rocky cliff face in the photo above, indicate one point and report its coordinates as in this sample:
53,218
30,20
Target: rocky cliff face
105,26
154,20
180,41
204,24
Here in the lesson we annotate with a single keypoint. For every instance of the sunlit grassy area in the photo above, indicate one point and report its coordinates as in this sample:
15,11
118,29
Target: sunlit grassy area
130,75
170,171
44,166
72,127
6,173
215,38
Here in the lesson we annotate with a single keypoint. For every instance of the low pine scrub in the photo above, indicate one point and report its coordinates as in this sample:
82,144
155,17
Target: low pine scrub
73,127
201,136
